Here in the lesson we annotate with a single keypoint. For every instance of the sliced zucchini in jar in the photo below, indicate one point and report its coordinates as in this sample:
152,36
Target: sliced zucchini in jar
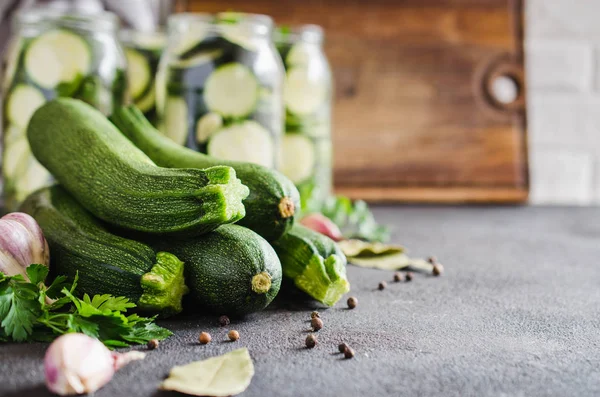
236,31
193,36
13,133
299,55
304,91
12,60
298,157
16,155
176,119
146,103
198,59
207,125
160,86
232,90
57,56
138,73
247,141
22,102
34,177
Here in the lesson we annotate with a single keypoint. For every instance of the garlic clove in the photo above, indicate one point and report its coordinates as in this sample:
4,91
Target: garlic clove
320,223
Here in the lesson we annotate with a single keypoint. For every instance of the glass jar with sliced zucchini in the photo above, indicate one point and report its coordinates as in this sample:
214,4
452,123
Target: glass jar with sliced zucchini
54,54
220,86
143,51
306,151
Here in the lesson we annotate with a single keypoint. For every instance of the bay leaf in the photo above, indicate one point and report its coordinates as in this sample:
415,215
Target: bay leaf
393,262
224,375
359,248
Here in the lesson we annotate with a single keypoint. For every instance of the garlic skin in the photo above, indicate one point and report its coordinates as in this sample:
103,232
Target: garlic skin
22,243
76,364
321,224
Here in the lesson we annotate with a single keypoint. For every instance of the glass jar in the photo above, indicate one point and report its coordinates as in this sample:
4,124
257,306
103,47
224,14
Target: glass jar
54,54
143,51
221,81
306,150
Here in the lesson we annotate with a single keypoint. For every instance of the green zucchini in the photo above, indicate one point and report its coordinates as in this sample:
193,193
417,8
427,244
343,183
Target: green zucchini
231,270
104,262
57,56
314,263
273,198
119,184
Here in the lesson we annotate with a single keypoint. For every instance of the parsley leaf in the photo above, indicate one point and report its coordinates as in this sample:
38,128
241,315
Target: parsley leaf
108,302
37,273
30,311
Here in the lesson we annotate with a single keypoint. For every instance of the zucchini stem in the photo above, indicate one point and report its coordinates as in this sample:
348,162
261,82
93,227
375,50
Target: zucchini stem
261,283
164,286
286,207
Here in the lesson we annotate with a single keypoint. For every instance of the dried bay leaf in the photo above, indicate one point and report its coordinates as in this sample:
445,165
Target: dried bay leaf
382,256
224,375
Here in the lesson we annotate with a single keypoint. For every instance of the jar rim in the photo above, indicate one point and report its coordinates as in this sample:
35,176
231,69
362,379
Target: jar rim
309,33
103,20
256,23
152,39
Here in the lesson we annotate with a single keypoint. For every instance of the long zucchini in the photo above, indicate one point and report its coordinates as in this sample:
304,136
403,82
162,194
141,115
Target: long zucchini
119,184
106,263
231,270
314,263
273,199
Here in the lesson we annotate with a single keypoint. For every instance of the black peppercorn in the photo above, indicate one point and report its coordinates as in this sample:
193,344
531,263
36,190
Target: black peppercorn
315,314
437,270
316,323
152,344
224,321
382,285
432,259
348,353
352,302
408,276
398,277
311,341
343,347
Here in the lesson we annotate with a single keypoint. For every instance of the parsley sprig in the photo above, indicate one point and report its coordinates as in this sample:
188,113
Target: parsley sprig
31,311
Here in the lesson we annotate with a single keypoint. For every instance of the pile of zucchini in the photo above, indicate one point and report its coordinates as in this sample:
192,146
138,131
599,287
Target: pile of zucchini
60,62
137,215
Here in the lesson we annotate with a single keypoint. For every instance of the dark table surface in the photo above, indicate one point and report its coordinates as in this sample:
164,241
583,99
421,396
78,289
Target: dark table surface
517,313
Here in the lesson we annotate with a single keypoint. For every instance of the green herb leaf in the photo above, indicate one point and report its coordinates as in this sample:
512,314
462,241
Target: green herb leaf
27,316
355,220
108,302
381,256
224,375
37,273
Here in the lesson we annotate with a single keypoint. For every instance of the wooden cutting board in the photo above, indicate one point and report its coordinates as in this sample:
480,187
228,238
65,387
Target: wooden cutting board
416,117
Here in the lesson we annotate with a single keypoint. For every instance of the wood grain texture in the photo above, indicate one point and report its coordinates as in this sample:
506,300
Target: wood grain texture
414,117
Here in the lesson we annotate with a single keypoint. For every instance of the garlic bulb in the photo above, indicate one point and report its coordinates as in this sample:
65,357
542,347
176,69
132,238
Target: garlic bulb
320,223
22,243
77,364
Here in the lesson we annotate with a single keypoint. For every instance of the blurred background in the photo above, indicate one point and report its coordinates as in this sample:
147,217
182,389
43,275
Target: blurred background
441,101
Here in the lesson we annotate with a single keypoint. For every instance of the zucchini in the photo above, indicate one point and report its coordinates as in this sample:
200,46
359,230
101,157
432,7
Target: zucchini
119,184
176,119
298,157
247,141
22,102
57,56
104,262
207,125
231,270
314,263
232,90
304,92
138,73
273,198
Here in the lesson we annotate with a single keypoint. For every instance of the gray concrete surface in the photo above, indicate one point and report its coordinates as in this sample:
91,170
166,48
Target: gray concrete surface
517,313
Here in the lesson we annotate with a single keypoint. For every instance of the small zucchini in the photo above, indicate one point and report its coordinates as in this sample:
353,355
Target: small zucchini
314,263
105,263
231,270
273,198
119,184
